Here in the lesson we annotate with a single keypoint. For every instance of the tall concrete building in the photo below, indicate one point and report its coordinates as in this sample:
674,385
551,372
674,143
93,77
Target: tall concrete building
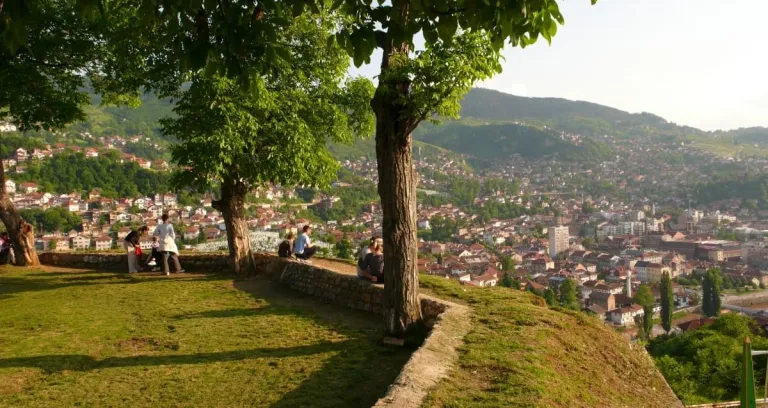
558,240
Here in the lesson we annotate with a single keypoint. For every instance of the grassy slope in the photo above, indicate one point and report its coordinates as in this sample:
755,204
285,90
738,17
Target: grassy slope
522,354
101,339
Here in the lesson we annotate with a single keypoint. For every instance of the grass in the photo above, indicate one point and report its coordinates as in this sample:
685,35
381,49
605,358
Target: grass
82,338
675,316
522,354
725,147
736,292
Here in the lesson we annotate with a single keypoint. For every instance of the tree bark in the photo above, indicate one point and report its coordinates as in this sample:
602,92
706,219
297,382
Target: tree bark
20,232
397,189
232,207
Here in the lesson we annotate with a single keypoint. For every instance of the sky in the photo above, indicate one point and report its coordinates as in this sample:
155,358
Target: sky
694,62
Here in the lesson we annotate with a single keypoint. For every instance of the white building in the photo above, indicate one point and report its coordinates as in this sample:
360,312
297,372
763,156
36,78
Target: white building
625,316
10,186
558,240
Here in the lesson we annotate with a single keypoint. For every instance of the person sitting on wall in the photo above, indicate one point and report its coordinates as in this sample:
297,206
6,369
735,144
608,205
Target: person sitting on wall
155,255
373,266
285,249
303,248
362,270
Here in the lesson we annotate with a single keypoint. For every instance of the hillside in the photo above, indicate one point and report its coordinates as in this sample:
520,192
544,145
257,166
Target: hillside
579,117
491,141
522,354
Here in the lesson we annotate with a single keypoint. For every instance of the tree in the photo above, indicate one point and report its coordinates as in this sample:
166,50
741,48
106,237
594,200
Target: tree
568,295
645,298
550,297
506,281
344,248
507,263
46,53
711,288
278,134
588,243
667,302
463,40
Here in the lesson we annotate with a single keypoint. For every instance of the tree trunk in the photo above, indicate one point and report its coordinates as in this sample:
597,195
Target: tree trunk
397,189
232,207
20,232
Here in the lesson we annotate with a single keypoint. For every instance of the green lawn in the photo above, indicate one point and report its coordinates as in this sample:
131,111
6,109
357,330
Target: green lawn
84,338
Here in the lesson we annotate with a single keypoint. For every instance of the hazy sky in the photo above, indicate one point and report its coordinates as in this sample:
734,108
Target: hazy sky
695,62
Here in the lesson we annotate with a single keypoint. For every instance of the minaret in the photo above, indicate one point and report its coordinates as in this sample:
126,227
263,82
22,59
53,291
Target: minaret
628,284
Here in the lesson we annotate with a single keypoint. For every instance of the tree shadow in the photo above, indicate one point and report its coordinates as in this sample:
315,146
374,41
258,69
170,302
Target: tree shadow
80,362
13,285
358,375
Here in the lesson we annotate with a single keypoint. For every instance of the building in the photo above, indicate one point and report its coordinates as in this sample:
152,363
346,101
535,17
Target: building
606,301
558,240
28,187
191,233
625,316
102,243
20,155
10,186
80,242
753,254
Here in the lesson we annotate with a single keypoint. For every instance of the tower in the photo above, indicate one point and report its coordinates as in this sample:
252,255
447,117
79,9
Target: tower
628,284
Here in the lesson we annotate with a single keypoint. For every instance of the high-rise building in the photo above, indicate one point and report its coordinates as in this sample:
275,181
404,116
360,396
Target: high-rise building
558,240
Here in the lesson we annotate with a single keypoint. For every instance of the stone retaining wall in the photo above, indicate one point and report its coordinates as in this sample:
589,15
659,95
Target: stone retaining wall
119,261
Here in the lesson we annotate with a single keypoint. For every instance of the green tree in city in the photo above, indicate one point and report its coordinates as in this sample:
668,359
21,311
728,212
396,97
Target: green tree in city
278,134
711,289
667,302
47,53
644,297
463,40
550,297
343,248
506,281
568,295
507,263
462,44
588,243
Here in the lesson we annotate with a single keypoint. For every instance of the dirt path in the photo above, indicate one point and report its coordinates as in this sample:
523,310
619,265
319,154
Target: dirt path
336,266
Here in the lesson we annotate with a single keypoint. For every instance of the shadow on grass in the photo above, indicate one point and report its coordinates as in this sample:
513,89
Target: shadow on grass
79,362
358,375
11,285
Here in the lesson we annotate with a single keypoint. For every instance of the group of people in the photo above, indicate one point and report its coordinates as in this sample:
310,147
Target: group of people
301,248
163,248
370,262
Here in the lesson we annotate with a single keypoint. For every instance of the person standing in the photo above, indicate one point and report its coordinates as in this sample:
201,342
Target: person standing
303,248
168,247
130,243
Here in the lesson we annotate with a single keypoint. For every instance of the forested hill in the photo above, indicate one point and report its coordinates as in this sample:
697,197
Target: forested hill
491,141
579,117
124,120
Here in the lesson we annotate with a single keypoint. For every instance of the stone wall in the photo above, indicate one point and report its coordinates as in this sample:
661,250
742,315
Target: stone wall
337,288
119,261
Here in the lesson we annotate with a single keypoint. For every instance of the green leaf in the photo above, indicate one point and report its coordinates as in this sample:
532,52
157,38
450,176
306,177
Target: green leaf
446,27
430,35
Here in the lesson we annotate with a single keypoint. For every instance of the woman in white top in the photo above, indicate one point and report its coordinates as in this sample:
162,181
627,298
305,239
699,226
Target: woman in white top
168,245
